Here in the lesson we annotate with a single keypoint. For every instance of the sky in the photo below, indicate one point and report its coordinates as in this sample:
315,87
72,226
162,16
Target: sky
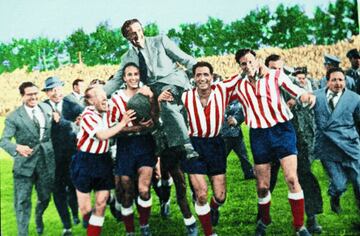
56,19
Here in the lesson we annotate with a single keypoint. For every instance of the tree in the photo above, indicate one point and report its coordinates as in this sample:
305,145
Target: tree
290,27
250,32
338,21
77,42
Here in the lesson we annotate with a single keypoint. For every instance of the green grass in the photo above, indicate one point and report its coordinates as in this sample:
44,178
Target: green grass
237,215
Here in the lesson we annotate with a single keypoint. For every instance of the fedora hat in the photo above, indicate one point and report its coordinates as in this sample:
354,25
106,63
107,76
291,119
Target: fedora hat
52,82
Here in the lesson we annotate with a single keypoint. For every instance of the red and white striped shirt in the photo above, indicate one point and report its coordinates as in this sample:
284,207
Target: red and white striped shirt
207,121
92,122
118,103
263,104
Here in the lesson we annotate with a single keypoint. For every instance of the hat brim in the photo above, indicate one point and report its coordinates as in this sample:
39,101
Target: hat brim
57,84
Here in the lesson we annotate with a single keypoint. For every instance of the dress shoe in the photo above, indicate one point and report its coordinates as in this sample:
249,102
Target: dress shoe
260,229
313,225
303,232
192,230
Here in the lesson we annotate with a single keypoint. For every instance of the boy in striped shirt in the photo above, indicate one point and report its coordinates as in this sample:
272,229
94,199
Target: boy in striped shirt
91,167
271,133
205,106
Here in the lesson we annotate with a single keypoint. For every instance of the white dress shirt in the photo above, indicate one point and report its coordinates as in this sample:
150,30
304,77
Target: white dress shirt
57,106
31,111
330,94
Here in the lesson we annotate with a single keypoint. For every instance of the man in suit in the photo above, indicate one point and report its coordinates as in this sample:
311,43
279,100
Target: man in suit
158,58
63,136
233,137
337,142
354,70
331,61
33,154
77,95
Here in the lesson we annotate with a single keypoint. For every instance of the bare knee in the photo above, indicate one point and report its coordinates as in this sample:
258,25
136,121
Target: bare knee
145,195
220,196
85,209
100,205
263,190
292,180
201,196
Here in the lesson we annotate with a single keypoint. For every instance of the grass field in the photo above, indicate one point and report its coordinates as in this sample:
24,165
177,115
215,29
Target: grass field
237,215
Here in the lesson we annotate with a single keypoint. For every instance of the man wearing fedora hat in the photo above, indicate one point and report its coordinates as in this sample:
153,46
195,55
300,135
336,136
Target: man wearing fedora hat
63,137
33,154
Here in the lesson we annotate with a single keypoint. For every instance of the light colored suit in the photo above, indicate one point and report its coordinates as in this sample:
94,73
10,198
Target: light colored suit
163,74
38,169
337,142
162,67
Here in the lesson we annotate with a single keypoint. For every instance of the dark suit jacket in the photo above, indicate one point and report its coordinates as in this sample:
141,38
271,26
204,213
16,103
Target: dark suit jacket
63,134
336,136
71,97
20,126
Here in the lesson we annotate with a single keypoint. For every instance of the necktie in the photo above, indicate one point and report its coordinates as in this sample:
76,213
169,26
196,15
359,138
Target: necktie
57,108
331,101
36,121
143,68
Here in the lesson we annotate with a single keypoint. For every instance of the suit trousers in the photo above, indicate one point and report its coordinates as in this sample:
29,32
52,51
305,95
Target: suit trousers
237,144
173,115
23,186
340,172
64,192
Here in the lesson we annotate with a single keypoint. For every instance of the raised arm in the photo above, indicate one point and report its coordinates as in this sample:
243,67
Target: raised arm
175,53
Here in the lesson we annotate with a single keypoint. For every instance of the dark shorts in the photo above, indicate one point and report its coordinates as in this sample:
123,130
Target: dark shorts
273,143
212,157
92,172
171,158
134,152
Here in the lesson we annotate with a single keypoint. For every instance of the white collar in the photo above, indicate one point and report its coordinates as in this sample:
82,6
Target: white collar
59,104
78,96
30,110
330,93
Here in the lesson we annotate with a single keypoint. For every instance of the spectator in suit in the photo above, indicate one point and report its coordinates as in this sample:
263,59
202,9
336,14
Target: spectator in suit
233,137
33,153
63,137
354,71
77,95
337,142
